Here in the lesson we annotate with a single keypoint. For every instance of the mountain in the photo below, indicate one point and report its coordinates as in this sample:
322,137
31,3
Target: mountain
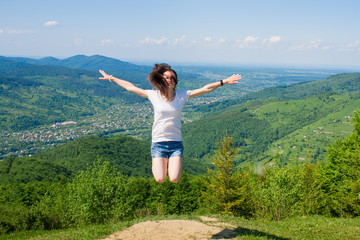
9,67
94,63
91,63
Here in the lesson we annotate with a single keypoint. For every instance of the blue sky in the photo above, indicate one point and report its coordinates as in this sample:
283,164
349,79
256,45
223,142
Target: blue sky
271,32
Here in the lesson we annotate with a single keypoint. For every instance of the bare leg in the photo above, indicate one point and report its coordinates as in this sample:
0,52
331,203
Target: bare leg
175,169
159,169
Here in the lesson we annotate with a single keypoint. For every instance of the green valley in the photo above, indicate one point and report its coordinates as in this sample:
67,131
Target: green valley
44,103
40,97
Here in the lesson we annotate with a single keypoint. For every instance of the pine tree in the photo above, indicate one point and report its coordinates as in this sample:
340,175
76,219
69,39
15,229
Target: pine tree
342,173
224,186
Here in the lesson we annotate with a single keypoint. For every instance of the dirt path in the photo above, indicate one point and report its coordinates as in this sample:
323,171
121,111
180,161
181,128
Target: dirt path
209,228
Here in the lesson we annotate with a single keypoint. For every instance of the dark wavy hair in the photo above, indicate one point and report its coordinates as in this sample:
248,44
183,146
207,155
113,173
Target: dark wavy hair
157,80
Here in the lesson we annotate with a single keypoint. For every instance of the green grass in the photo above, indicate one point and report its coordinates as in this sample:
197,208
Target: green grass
88,232
306,227
313,137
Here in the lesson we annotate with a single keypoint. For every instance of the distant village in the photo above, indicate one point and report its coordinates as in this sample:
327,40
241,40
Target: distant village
134,120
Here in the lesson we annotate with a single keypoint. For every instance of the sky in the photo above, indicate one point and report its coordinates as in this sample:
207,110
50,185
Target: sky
225,32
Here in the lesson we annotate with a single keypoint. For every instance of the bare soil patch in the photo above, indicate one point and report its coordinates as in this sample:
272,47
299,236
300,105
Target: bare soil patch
210,228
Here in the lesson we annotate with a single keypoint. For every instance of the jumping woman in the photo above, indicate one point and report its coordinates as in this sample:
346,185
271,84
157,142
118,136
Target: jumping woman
167,148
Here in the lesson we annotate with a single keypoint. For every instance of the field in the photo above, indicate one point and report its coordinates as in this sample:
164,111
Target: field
312,140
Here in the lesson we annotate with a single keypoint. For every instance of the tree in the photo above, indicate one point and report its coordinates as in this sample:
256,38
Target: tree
342,173
184,199
225,187
97,195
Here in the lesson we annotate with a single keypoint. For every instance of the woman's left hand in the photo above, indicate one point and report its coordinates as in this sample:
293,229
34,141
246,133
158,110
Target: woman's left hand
105,75
233,79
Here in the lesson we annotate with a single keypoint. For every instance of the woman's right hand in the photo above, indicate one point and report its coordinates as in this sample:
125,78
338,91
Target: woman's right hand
233,79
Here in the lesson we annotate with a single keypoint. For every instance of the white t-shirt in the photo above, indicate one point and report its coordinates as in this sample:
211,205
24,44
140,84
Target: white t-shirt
167,116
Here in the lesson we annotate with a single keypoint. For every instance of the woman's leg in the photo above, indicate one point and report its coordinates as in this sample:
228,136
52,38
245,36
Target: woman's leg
175,169
159,169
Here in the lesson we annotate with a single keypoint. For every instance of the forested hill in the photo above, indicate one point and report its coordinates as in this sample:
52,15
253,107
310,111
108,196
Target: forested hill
22,69
76,65
129,155
340,83
92,63
54,93
308,117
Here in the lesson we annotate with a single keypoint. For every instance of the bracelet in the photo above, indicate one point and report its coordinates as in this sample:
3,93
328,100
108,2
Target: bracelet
221,82
110,78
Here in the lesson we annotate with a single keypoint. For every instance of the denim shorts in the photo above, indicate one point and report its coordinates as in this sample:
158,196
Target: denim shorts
167,149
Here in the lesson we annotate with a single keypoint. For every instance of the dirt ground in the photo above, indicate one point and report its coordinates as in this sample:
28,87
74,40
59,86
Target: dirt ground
209,228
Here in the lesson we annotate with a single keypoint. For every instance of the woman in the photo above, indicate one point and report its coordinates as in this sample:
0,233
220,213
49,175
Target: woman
167,148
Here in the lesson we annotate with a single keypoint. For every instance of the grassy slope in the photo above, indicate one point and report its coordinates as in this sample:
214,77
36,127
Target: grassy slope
313,139
307,227
266,125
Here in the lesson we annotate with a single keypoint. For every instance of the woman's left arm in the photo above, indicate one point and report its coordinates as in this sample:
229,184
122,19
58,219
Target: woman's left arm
212,86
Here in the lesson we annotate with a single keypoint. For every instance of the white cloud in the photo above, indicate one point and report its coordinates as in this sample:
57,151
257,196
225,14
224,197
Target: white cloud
51,24
208,39
269,43
355,44
178,40
351,46
314,44
222,40
275,39
248,42
148,40
1,31
250,39
106,42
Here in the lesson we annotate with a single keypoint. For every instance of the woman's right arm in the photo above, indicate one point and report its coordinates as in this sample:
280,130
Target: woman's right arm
124,84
